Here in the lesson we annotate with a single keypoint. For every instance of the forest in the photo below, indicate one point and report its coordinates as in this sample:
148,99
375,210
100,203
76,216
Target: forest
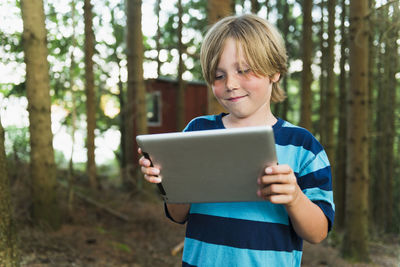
80,79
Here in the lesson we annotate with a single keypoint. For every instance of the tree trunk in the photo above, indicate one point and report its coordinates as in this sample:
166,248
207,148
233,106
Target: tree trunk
216,10
281,109
90,95
285,33
255,6
306,78
268,5
322,77
180,100
43,169
340,170
136,92
373,68
355,243
158,36
71,179
380,176
9,256
393,66
330,99
118,35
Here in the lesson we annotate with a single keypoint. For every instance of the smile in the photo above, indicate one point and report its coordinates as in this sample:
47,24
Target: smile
236,98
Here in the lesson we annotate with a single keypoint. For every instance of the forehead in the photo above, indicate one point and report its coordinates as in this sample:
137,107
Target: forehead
232,53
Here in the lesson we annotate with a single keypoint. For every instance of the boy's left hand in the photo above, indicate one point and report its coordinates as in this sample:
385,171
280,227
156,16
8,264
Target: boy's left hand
278,185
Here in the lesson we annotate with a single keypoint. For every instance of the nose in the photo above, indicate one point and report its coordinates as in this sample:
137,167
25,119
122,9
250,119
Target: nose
232,82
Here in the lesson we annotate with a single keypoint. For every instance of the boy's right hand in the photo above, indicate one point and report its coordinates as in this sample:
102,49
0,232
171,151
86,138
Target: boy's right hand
151,174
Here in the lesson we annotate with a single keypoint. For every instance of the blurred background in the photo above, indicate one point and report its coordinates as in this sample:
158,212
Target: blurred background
80,79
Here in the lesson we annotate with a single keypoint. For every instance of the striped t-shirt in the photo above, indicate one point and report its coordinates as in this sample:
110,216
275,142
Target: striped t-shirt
258,233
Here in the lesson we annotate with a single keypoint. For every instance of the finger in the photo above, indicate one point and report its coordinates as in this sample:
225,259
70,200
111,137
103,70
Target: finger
280,199
150,171
139,150
152,179
278,169
279,189
277,179
273,197
144,162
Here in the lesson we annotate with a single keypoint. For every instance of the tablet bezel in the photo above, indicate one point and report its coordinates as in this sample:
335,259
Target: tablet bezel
210,165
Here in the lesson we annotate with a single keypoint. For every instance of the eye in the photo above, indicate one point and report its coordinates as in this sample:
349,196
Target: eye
245,71
219,76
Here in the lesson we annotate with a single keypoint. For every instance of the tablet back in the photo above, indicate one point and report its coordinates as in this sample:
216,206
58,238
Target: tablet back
211,165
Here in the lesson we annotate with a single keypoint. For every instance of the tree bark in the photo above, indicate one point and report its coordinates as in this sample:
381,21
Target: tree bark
90,95
322,77
380,176
136,92
355,243
42,167
216,10
306,78
340,170
71,179
281,109
9,255
392,66
330,99
118,35
255,6
158,36
373,68
180,100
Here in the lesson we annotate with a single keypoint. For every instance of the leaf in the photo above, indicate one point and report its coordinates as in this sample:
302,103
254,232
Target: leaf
121,246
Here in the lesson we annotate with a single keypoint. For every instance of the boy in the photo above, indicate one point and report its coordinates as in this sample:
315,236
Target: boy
243,58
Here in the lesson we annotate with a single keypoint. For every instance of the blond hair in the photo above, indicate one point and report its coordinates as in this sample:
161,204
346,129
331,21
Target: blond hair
262,44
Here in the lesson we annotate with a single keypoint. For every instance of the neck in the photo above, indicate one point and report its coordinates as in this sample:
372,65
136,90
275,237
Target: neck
261,120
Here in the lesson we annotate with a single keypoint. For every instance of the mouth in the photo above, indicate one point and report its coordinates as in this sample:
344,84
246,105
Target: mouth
236,98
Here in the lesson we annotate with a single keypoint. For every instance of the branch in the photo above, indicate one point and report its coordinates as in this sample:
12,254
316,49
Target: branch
103,207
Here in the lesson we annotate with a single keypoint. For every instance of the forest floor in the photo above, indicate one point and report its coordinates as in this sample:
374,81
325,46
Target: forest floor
121,230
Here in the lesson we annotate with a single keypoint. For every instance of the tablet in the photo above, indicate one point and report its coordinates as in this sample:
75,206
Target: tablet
211,165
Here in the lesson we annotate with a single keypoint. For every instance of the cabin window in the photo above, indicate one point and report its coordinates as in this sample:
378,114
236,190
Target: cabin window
153,102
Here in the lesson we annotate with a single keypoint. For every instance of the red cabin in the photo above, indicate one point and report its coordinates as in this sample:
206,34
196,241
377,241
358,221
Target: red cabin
161,103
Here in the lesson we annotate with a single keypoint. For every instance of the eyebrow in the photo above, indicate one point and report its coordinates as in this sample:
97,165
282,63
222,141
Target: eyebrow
237,65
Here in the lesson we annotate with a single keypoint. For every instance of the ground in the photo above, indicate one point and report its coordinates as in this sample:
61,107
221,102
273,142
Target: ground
93,236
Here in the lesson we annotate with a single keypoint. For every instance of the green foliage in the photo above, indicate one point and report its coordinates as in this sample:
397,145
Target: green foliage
60,159
13,89
120,246
17,143
194,26
12,46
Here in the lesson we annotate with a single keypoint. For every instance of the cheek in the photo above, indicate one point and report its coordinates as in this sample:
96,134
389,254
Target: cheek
217,90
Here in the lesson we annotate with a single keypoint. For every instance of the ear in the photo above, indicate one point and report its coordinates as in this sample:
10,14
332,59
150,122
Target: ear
275,78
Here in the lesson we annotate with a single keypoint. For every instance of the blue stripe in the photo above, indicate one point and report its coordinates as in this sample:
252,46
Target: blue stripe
320,162
294,156
242,233
297,136
214,255
320,178
316,194
262,211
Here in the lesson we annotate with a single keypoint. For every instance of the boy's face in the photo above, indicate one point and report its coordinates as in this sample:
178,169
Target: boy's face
237,88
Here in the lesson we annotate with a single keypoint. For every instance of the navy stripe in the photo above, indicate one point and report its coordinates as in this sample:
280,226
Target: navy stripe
185,264
242,233
320,178
298,137
205,123
328,211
